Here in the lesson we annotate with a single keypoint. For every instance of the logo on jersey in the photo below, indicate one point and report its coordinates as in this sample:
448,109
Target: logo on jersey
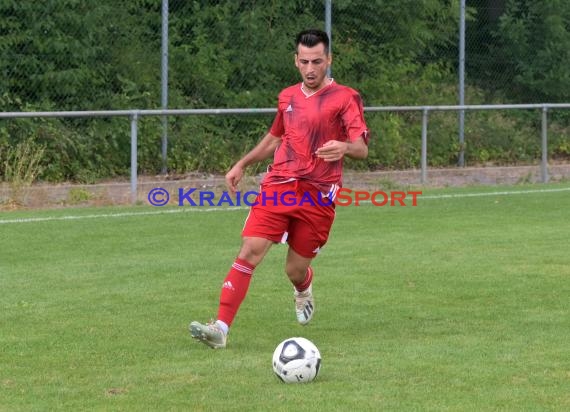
289,109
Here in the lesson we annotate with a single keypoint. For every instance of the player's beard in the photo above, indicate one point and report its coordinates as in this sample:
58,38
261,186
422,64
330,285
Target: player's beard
314,82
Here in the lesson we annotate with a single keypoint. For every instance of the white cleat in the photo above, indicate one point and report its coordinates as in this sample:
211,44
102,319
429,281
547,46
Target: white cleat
304,305
209,334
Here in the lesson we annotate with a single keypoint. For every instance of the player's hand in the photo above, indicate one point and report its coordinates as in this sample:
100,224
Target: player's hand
332,150
233,177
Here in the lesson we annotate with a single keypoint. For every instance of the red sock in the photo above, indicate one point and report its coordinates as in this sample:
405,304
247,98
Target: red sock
234,290
304,285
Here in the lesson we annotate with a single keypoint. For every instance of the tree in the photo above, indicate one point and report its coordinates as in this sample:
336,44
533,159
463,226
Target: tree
536,39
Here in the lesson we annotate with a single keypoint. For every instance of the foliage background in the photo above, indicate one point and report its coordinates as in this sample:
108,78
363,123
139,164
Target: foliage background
105,55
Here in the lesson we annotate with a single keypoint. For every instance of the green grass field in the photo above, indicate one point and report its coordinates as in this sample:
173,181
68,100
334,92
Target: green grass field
461,303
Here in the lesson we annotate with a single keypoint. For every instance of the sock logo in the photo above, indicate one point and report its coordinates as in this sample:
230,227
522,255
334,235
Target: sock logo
228,285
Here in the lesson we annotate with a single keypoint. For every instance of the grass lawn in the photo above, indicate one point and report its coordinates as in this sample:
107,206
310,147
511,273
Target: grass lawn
461,303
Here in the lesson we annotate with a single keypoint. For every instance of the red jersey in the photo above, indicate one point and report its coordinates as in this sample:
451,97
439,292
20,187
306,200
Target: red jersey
304,124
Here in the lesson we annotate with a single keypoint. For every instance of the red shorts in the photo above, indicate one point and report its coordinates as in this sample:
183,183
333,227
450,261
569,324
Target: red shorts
292,212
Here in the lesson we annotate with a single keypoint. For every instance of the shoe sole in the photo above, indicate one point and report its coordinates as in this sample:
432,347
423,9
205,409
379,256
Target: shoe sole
196,333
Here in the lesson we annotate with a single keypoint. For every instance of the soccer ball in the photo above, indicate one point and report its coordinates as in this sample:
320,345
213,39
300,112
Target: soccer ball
296,360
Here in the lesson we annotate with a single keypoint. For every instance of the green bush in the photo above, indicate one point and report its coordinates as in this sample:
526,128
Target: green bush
240,54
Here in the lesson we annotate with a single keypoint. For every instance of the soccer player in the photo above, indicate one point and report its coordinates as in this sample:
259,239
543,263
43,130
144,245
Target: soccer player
318,123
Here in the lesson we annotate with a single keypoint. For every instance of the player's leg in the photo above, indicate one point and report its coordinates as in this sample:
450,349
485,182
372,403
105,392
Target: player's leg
300,274
308,233
236,283
297,268
262,228
233,293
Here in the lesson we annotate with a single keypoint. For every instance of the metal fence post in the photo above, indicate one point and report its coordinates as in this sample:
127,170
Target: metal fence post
328,28
424,145
164,81
134,166
544,161
461,160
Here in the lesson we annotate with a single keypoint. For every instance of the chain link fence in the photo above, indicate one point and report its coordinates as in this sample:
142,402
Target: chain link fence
85,55
106,55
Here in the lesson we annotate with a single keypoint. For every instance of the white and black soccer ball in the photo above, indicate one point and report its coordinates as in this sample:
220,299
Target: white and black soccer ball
296,360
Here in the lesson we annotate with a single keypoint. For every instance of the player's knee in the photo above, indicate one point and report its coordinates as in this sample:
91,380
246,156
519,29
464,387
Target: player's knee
250,256
294,272
253,251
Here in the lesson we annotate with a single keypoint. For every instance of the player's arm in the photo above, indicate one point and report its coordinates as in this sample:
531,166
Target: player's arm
334,150
357,149
263,150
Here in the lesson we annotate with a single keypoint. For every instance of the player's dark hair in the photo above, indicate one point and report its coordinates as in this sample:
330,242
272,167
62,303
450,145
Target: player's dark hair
312,37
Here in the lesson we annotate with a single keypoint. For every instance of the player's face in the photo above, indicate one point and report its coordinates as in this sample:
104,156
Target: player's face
312,63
